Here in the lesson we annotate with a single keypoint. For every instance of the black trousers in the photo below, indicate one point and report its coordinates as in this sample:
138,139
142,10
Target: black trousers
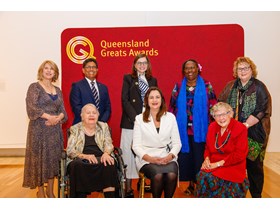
255,176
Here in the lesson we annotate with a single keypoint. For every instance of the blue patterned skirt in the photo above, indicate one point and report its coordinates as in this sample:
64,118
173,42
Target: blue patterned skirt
210,186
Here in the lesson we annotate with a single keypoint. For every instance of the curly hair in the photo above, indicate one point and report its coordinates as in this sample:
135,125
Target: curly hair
244,60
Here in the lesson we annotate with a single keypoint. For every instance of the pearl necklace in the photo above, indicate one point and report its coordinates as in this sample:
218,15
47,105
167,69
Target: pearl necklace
89,133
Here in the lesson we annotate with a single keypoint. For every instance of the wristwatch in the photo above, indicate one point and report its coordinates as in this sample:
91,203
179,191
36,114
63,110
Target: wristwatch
247,125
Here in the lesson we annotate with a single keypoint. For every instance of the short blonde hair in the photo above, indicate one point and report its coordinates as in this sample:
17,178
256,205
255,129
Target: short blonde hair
53,66
244,60
218,106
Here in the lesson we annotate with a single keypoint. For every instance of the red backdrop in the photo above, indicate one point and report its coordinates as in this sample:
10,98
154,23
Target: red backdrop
215,47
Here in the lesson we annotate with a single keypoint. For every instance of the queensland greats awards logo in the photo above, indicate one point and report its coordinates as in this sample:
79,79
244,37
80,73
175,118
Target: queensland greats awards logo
79,48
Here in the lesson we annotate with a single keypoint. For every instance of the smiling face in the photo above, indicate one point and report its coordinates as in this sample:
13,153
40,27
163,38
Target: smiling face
141,65
90,70
48,72
244,72
154,100
89,114
190,71
223,116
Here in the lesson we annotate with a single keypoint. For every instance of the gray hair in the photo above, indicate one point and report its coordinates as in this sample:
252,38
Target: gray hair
89,104
218,106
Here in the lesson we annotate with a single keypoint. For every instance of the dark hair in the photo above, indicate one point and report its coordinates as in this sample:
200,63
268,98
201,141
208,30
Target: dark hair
192,60
162,109
89,60
148,73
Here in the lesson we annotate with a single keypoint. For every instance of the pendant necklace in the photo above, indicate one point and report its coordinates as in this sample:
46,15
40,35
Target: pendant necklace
191,88
240,96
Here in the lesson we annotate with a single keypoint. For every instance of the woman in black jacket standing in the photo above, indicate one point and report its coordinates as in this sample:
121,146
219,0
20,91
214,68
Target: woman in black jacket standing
135,85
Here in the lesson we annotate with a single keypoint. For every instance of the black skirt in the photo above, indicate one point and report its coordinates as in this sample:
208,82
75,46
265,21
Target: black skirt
85,177
150,170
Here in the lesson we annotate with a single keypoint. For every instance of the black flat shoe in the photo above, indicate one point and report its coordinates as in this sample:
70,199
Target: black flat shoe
129,194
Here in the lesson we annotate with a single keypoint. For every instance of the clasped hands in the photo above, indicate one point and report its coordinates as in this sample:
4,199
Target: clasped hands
160,160
207,165
53,120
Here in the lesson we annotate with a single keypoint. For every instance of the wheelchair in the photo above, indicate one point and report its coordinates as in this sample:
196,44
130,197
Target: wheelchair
64,180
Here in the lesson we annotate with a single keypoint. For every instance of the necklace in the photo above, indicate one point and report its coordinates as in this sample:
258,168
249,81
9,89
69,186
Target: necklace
241,96
89,133
191,88
217,147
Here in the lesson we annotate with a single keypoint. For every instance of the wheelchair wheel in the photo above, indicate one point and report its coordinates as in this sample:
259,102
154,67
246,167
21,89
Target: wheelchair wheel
121,173
63,179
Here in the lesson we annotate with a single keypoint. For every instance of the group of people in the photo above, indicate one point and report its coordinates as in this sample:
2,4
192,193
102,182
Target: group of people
208,141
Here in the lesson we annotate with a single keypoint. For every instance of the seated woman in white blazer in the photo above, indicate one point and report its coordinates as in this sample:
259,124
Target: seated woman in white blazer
156,143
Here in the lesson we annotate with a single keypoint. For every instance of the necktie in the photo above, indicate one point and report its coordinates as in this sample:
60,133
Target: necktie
143,86
95,95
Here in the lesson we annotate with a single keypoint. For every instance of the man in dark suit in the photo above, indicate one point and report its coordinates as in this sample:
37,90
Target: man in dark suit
88,90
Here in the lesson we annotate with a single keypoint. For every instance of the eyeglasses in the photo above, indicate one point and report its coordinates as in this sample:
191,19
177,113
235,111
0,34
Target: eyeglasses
142,63
91,67
221,115
189,68
246,68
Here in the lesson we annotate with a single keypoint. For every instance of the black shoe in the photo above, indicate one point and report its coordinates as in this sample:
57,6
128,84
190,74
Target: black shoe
147,187
129,194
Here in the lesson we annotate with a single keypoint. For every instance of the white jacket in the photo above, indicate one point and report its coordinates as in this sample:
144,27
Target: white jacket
146,139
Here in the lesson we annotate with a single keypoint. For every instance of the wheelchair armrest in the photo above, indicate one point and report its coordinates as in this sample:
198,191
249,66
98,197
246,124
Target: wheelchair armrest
63,155
118,150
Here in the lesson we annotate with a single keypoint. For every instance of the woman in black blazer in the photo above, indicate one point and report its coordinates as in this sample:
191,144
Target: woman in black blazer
135,85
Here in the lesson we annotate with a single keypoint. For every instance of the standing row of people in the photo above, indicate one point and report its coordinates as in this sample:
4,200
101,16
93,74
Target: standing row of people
152,138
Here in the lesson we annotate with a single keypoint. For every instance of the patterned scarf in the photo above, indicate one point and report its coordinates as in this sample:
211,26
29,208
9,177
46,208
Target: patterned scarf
200,114
243,96
143,86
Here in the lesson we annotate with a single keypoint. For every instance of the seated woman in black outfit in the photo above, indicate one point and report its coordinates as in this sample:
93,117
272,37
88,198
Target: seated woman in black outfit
90,166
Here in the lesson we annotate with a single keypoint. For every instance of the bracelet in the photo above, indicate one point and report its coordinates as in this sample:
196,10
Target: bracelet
218,164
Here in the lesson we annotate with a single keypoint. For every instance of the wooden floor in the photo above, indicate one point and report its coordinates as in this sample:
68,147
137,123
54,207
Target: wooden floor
11,173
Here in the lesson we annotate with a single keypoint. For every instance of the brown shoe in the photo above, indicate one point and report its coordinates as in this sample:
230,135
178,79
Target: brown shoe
189,190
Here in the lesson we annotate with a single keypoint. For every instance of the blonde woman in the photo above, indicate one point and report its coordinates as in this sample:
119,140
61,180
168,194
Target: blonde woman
46,112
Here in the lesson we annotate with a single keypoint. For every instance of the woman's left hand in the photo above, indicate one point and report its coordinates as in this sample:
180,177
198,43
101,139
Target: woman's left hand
106,158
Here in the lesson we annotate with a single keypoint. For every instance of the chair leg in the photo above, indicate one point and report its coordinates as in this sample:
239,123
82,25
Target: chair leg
142,185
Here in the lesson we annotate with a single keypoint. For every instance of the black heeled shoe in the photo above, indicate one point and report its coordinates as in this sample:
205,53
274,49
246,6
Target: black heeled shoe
147,187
